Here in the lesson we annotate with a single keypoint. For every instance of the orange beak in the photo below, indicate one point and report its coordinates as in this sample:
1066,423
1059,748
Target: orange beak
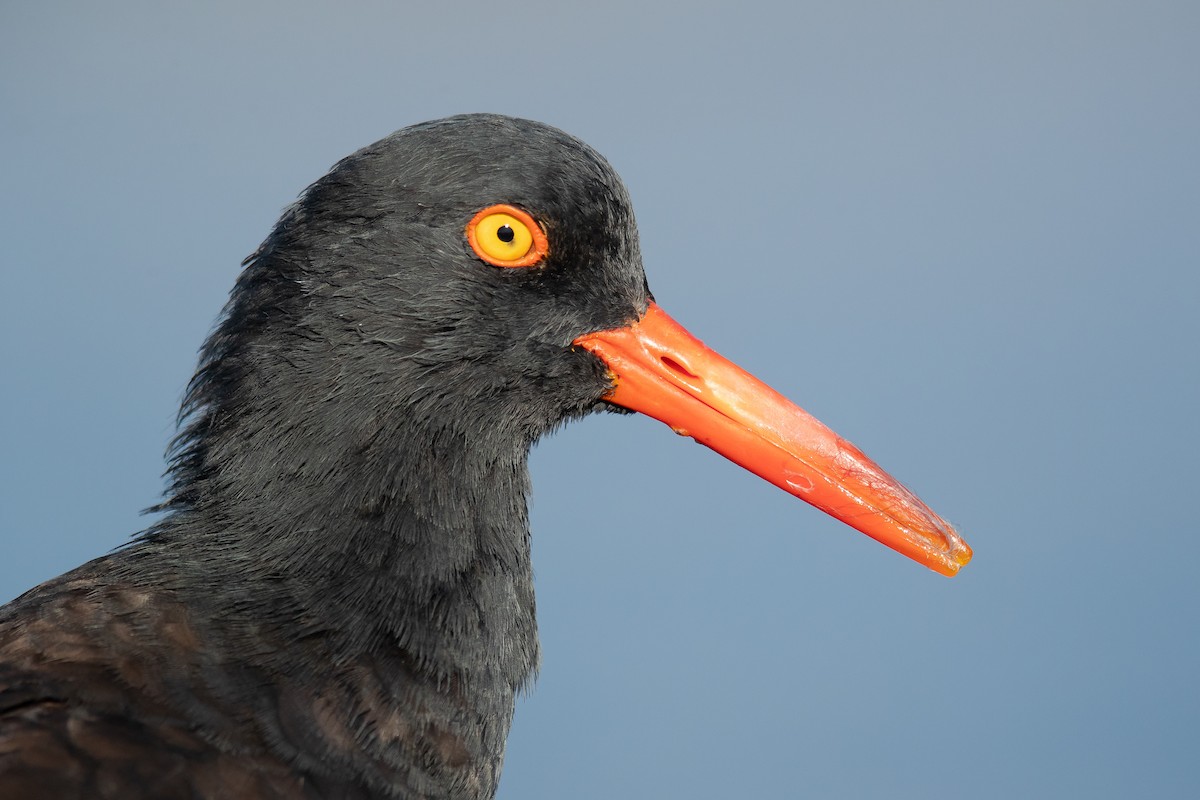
662,370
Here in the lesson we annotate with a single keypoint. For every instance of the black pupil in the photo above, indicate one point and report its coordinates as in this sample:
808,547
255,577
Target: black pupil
506,233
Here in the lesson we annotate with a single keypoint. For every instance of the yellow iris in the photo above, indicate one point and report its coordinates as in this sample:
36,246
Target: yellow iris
503,237
506,236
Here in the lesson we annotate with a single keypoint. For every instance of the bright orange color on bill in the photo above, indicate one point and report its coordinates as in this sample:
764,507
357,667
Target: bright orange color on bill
663,371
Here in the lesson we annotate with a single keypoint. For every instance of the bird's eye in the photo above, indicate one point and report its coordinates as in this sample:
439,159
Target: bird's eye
505,236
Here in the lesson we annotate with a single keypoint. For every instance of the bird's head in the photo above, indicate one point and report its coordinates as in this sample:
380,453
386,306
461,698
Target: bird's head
446,270
480,275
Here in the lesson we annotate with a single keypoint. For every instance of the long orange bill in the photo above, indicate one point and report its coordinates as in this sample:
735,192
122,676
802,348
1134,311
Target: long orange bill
662,370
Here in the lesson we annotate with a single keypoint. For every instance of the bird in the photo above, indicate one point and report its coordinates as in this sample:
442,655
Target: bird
336,599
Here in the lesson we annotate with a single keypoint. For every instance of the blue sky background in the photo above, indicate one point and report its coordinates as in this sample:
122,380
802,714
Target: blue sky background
966,236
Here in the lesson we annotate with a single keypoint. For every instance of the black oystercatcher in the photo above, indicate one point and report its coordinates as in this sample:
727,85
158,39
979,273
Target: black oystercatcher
338,602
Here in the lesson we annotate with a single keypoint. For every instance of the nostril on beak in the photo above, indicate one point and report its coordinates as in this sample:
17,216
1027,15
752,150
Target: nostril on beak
677,368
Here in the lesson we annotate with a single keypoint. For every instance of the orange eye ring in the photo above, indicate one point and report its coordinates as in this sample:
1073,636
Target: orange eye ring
505,236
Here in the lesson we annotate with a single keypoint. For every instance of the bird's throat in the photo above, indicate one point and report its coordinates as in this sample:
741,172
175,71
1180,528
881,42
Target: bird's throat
410,564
